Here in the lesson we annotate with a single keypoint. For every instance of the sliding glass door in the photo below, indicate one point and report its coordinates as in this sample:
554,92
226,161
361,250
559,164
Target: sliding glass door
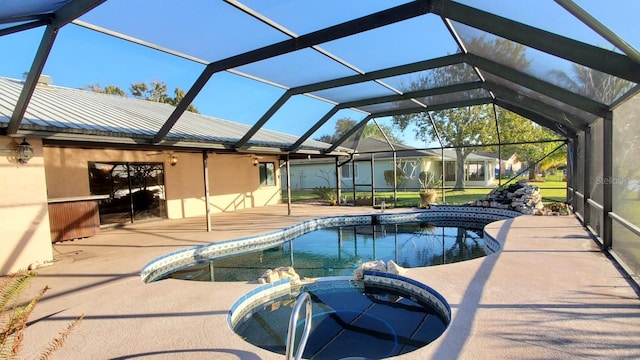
136,191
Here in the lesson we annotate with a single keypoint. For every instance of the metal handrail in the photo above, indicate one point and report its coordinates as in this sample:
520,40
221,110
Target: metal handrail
303,298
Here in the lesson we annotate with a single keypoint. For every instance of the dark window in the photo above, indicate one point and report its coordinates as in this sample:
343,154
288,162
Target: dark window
135,190
475,171
346,172
450,171
267,174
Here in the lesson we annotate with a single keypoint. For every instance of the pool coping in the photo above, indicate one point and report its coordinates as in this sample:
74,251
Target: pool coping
160,267
261,295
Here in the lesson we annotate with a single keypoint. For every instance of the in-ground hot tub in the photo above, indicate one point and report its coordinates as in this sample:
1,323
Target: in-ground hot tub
381,316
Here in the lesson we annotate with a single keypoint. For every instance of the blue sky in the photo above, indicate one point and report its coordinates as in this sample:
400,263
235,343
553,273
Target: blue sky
81,57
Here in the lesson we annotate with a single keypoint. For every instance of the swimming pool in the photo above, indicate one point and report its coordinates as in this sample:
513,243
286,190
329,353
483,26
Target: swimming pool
381,316
340,250
162,267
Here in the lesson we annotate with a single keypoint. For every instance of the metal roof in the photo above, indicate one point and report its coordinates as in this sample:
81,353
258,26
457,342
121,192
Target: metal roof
60,113
367,56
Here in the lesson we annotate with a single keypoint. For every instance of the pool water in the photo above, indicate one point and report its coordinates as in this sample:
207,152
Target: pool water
339,251
354,321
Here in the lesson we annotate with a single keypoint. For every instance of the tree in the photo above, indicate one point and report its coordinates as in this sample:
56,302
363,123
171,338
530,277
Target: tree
606,89
370,131
515,128
626,147
591,83
109,89
460,127
154,91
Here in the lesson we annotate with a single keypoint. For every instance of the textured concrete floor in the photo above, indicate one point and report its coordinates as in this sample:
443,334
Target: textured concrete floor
549,294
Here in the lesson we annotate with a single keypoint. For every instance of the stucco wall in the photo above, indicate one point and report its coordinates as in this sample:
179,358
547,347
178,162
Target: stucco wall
67,168
57,172
24,217
234,184
234,181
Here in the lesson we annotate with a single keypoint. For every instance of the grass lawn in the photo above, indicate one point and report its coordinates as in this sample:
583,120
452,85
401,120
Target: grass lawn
629,209
551,191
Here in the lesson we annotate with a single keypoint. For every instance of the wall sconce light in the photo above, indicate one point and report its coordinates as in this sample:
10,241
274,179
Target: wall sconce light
255,161
173,160
24,152
21,153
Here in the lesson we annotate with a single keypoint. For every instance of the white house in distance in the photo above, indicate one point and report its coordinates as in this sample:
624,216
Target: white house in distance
310,173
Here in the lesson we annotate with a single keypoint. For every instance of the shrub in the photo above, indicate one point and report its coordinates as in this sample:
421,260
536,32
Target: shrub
388,177
14,316
324,192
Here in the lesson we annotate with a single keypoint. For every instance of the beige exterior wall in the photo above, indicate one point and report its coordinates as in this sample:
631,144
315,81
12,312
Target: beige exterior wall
234,184
57,172
24,216
234,181
68,172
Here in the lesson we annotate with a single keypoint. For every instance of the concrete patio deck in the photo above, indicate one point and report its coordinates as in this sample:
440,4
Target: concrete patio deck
549,294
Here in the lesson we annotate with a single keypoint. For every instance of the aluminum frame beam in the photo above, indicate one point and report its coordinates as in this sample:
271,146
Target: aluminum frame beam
27,18
25,26
360,78
447,60
385,99
413,110
539,119
437,107
551,112
600,28
61,17
314,128
414,94
352,27
263,120
541,86
515,76
591,56
351,131
46,43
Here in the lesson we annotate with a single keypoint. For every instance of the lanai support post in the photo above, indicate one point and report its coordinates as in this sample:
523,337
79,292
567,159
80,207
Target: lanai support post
607,188
338,184
586,217
288,186
574,171
395,179
442,186
205,167
572,168
373,176
353,180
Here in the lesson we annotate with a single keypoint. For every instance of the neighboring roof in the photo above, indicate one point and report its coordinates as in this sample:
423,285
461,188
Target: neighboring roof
58,113
450,155
382,150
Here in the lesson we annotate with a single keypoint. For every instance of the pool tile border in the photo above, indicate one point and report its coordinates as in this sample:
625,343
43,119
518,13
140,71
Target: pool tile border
261,295
180,259
420,291
265,294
